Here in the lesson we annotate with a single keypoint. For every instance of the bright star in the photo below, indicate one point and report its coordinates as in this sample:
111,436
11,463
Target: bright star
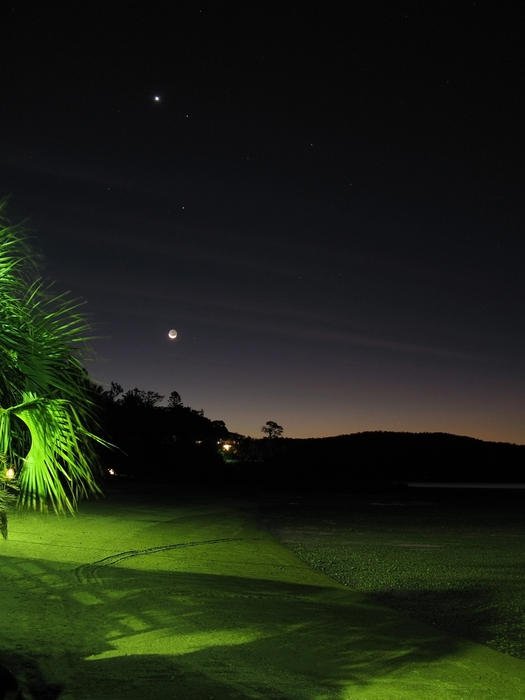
156,98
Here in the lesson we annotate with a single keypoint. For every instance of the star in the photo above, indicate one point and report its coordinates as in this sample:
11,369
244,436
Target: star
156,98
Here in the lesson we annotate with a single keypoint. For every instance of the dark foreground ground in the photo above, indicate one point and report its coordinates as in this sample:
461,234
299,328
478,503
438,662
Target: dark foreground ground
454,558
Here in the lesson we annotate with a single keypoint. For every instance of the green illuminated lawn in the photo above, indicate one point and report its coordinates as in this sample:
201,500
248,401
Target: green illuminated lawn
192,600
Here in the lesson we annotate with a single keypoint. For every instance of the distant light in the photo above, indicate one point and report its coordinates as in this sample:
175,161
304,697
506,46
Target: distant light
112,472
156,98
226,447
172,334
10,473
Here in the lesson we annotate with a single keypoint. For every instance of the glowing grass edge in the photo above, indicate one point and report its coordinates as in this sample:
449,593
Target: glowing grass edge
44,390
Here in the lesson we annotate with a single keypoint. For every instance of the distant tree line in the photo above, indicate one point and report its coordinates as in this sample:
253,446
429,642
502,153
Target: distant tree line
178,443
152,441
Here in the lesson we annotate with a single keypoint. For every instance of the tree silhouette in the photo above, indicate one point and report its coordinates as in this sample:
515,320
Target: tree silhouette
138,398
174,399
272,430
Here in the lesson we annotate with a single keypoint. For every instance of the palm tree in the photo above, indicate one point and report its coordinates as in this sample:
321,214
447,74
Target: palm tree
44,391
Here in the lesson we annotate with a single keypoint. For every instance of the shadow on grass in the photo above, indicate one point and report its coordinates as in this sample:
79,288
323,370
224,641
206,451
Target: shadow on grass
133,634
470,612
21,678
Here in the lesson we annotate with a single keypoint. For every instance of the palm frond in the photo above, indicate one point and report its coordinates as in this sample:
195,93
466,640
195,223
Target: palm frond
45,405
57,468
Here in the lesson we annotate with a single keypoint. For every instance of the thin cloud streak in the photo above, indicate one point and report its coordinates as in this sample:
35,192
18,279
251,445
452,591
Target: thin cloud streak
290,325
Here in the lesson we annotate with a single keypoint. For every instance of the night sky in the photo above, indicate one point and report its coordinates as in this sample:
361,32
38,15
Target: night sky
328,206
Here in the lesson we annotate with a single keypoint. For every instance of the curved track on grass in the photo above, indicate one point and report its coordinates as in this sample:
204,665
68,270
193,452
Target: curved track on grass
87,573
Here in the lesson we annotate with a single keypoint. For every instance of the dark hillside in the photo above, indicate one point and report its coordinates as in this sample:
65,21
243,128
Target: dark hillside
379,457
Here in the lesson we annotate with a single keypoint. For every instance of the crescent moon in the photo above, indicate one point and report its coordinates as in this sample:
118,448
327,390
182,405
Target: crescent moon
172,334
